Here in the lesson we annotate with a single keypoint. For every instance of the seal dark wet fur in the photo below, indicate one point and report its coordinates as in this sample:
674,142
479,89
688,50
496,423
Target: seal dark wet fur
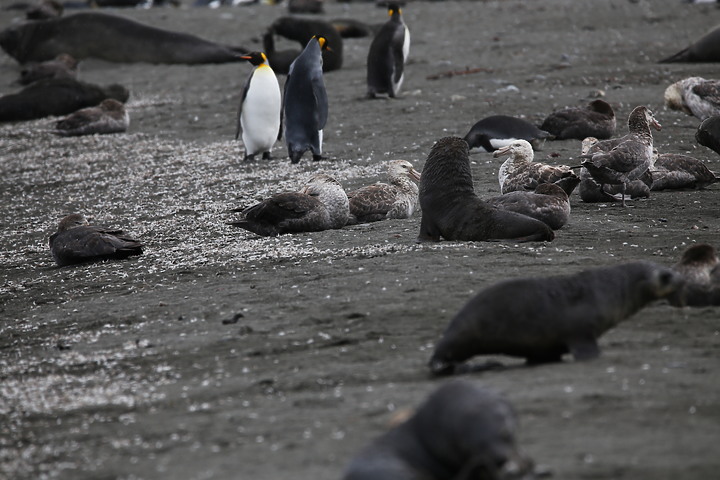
542,318
77,242
452,210
462,431
705,49
56,96
112,38
708,133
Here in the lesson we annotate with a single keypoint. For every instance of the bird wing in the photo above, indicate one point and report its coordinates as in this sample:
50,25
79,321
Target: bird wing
281,207
708,92
320,95
398,41
79,119
374,199
238,129
89,242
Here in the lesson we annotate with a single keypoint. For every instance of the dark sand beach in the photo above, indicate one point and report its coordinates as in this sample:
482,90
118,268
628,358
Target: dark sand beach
125,369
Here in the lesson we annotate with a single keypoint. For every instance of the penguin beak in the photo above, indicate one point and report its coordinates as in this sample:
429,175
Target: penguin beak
501,151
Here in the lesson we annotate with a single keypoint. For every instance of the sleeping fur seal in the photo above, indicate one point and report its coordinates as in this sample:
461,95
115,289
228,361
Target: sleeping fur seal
56,96
450,208
540,319
705,49
462,431
112,38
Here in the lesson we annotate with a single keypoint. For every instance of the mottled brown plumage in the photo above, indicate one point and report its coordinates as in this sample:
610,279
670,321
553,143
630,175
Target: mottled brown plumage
597,120
108,117
380,201
548,203
76,242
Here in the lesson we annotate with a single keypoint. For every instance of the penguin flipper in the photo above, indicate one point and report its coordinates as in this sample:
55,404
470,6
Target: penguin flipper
320,94
238,129
398,54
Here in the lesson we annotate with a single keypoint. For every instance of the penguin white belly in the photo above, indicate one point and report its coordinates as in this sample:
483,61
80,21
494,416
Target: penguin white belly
405,51
260,117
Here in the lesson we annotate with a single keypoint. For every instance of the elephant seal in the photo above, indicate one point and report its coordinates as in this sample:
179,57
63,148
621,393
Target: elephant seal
112,38
461,431
452,210
56,96
540,319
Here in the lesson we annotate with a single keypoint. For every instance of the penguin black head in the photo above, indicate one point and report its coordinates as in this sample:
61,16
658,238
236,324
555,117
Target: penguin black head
323,42
394,8
255,58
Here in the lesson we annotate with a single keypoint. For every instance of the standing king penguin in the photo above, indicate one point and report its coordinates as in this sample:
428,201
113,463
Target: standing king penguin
387,56
305,104
259,114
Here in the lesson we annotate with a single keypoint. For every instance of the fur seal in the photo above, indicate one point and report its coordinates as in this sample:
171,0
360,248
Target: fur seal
694,96
497,131
548,203
321,205
700,269
630,159
380,201
542,318
108,117
302,30
452,210
705,49
112,38
56,96
521,173
280,60
708,133
76,241
597,120
461,431
387,55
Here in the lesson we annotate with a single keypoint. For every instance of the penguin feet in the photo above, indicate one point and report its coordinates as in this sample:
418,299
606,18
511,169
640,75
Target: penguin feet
317,158
266,156
249,158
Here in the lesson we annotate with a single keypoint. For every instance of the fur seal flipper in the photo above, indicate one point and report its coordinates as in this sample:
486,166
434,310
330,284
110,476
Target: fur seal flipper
542,318
451,210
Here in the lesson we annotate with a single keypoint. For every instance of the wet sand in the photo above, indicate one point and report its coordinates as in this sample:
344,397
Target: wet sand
126,370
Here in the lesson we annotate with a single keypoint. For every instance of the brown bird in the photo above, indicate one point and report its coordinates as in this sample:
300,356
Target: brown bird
630,159
321,205
380,201
548,203
108,117
694,96
597,120
62,66
76,241
675,171
519,172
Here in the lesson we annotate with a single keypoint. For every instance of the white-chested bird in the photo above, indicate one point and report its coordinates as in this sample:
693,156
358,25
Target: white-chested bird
258,118
387,56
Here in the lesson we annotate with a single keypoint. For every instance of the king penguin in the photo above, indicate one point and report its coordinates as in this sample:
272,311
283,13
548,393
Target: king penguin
259,114
387,56
305,104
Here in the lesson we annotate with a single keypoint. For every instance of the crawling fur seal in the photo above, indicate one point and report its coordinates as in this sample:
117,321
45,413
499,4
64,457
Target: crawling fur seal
462,431
450,208
540,319
112,38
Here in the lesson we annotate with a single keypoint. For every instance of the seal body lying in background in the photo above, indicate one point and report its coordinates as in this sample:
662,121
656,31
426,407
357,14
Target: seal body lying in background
112,38
540,319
